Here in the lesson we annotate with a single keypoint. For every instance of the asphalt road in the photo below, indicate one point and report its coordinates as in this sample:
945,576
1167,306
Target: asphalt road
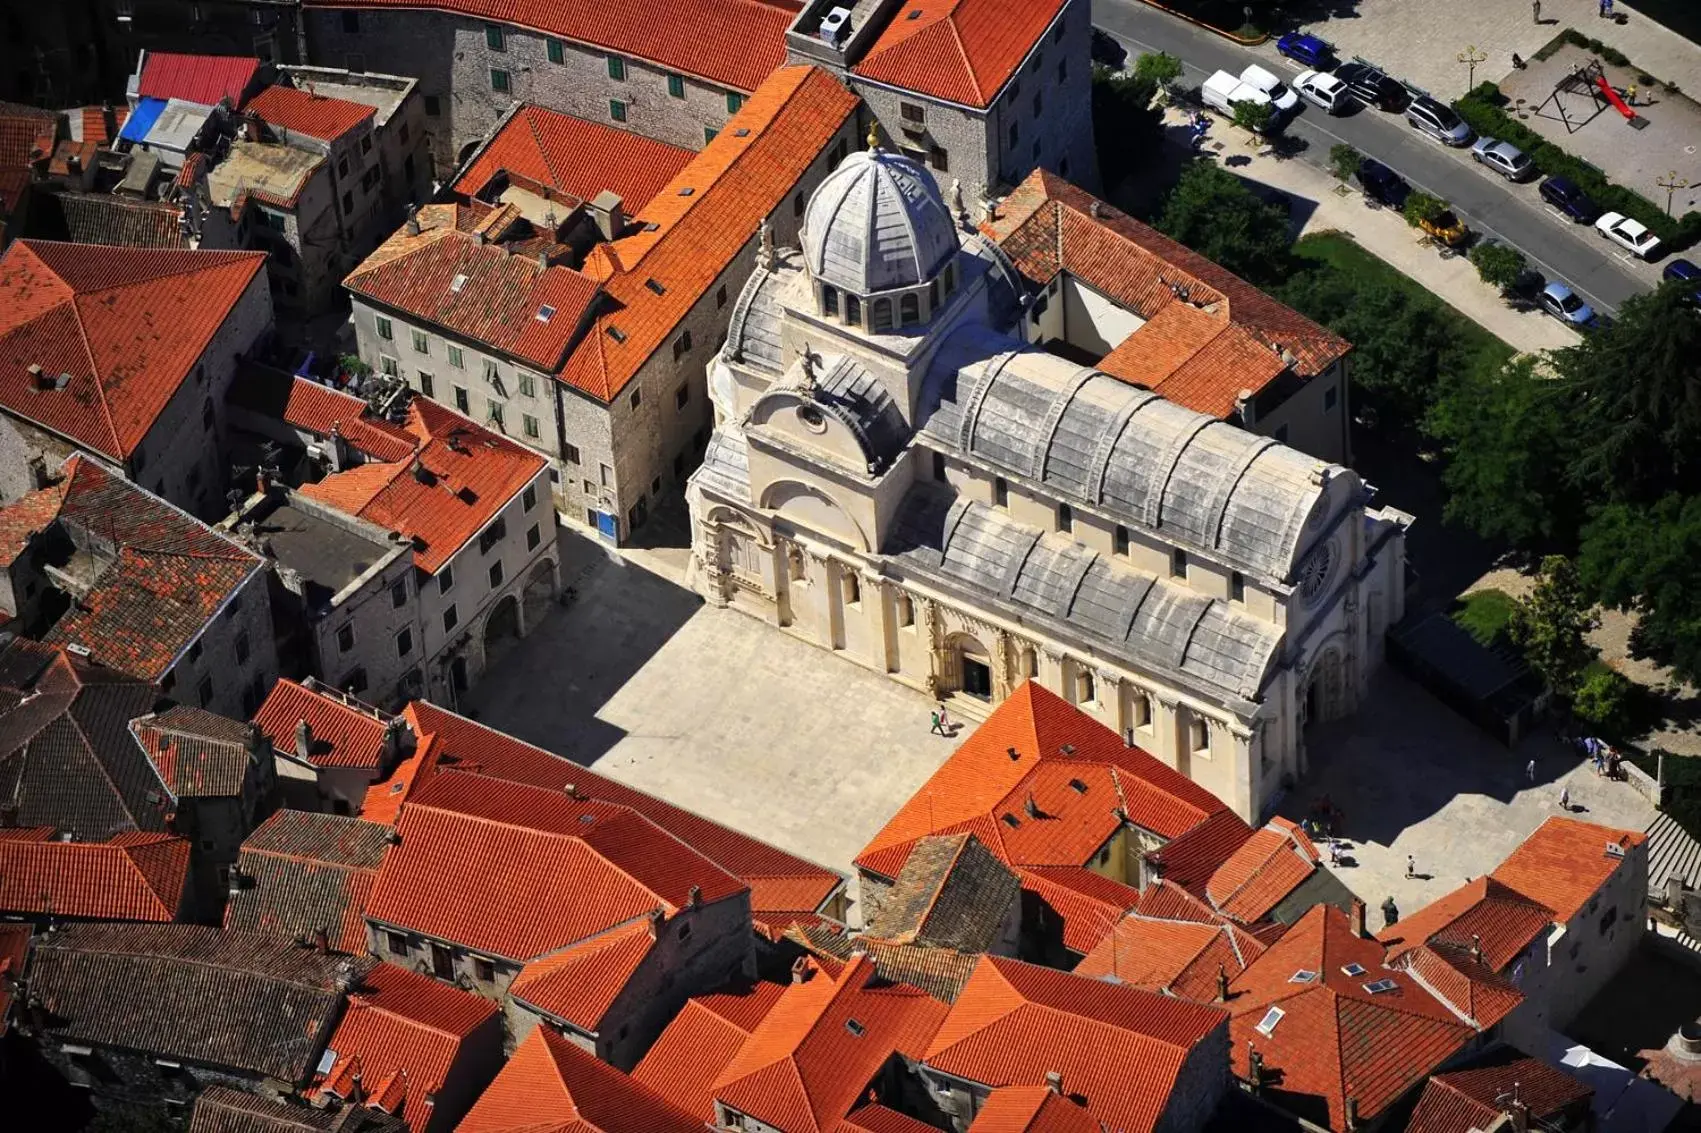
1513,214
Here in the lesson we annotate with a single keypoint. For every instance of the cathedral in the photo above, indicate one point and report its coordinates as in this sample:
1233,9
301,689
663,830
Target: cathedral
896,474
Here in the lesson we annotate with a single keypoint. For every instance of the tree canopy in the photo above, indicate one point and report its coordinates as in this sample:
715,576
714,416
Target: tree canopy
1214,213
1551,625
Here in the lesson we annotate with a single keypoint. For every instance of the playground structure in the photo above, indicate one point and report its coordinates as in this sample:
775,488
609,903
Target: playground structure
1580,95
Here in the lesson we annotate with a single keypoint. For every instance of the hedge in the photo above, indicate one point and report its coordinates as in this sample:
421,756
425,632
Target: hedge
1482,110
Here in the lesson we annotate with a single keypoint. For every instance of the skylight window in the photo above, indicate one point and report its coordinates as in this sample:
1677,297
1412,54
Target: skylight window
1303,976
687,191
1012,821
1614,850
1380,986
545,313
327,1060
741,132
854,1027
457,283
1080,788
1355,970
1267,1025
616,333
655,286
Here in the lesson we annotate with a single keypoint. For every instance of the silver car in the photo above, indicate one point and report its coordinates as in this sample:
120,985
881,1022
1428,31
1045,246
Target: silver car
1504,158
1438,121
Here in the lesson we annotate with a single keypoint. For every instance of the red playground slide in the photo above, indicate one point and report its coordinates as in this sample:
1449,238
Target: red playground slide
1612,97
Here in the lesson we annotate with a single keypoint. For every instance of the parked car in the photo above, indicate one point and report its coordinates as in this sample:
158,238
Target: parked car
1284,100
1564,304
1107,49
1504,158
1323,91
1383,184
1438,121
1627,233
1447,228
1564,195
1686,273
1222,90
1306,50
1373,88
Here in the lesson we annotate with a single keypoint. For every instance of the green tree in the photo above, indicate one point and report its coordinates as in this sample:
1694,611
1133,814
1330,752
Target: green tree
1214,213
1647,559
1127,127
1499,265
1603,701
1636,389
1253,117
1551,624
1160,68
1344,160
1503,434
1421,207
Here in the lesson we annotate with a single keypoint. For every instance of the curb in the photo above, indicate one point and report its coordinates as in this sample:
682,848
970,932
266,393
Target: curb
1228,35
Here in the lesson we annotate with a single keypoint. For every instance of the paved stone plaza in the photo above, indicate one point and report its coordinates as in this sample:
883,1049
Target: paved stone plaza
712,710
1413,777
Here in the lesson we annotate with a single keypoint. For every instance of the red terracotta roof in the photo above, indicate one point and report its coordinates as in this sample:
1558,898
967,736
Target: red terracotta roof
198,754
1209,334
981,788
702,1039
402,1034
581,982
486,864
1191,858
781,884
1121,1048
1484,913
346,733
301,871
813,1057
690,233
23,130
473,473
1172,942
133,877
1470,987
316,408
877,1118
1032,1109
575,157
197,78
127,324
91,121
552,1086
505,300
1334,1038
1467,1100
171,576
1087,903
731,42
1565,863
1265,869
14,946
315,115
962,51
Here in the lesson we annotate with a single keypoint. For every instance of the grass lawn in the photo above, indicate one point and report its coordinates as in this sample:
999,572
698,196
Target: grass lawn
1484,614
1344,255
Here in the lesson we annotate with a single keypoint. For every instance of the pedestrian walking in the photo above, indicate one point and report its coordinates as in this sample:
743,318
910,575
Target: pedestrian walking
1536,10
938,725
1530,770
944,717
1565,799
1630,95
1411,866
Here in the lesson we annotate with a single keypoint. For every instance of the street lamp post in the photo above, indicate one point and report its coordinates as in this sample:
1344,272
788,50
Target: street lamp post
1671,183
1470,57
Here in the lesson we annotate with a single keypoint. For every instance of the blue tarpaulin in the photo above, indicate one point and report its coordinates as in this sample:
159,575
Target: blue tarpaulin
142,119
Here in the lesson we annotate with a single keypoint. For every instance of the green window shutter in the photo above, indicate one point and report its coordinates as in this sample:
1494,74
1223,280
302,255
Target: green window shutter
734,102
557,51
617,110
616,67
493,39
676,86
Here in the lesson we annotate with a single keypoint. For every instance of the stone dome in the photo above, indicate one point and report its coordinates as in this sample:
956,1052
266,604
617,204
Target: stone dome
877,223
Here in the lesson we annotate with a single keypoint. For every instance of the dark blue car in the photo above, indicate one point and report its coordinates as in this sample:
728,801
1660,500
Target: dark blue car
1565,196
1306,49
1383,184
1686,273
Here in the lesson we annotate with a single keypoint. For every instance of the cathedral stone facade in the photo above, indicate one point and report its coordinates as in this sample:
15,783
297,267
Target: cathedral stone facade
897,476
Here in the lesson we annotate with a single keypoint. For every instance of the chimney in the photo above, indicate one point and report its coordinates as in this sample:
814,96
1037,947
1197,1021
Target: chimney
1096,209
321,941
657,916
73,164
1014,755
303,738
393,740
609,213
1352,1114
1054,1081
543,261
1243,406
696,898
1222,984
1254,1066
801,970
413,221
1476,947
109,122
571,790
1517,1113
1357,916
259,745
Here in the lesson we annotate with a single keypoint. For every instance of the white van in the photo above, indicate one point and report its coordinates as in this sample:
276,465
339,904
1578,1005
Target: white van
1222,90
1283,99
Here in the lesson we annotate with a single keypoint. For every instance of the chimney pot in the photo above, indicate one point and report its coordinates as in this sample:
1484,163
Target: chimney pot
1014,755
1352,1114
1357,915
321,941
1476,947
303,738
1054,1081
696,896
1222,984
800,970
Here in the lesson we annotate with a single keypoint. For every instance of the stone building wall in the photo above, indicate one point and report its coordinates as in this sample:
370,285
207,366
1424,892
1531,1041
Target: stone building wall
234,663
